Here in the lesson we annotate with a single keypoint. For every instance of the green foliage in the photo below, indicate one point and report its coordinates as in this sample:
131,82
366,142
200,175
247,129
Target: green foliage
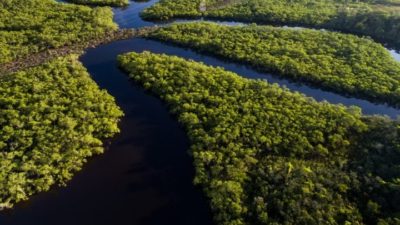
378,19
164,10
376,158
31,26
308,192
102,2
52,118
266,155
342,63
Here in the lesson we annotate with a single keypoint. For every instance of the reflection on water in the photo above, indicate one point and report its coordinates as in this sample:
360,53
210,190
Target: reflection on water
129,17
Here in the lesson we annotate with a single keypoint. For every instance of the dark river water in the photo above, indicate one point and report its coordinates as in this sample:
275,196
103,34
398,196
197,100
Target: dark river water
145,176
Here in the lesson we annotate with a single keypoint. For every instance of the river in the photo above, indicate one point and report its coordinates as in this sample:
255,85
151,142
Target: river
145,176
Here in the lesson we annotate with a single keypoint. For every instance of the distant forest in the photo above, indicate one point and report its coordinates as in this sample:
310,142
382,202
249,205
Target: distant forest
379,19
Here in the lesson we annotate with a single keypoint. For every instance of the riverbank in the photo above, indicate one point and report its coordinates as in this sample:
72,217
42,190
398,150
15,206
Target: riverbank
341,63
53,117
49,54
145,175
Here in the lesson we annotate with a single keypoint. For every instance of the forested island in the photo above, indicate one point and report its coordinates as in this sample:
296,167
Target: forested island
52,118
376,18
266,155
262,153
343,63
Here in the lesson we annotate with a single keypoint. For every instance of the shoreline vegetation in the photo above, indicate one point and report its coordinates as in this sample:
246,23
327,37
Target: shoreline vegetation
377,19
343,63
267,155
53,117
48,54
29,27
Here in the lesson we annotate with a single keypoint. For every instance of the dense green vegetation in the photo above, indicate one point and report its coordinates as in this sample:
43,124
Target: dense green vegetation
265,155
31,26
102,2
52,118
378,19
165,9
342,63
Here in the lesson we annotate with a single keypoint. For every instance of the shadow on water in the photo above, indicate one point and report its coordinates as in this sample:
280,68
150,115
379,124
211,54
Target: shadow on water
145,176
129,17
